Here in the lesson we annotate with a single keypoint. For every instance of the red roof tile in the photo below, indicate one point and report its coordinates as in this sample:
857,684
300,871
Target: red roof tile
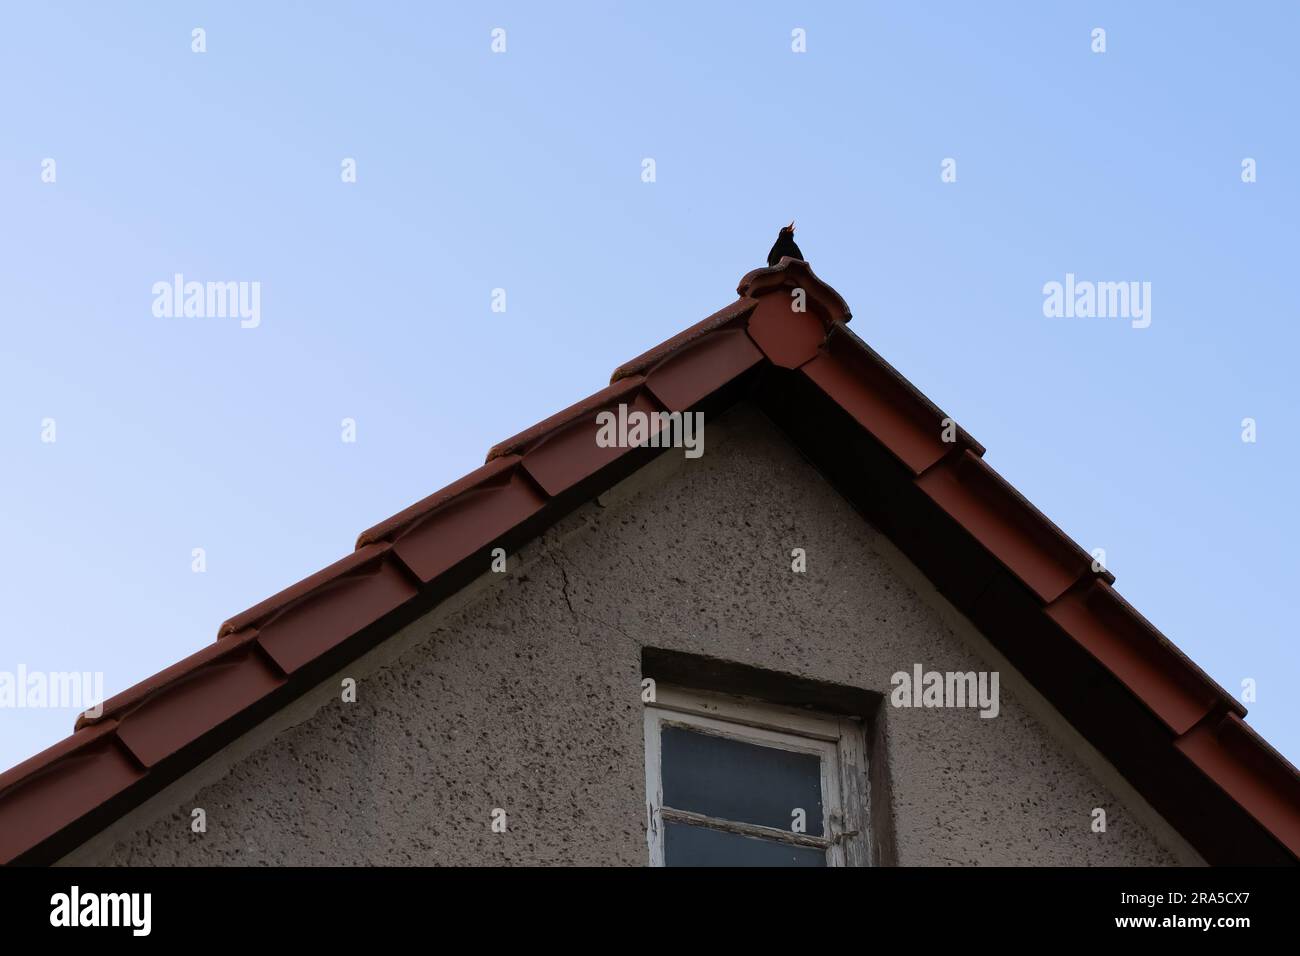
215,688
788,338
687,376
1248,769
346,579
1009,527
884,403
448,527
949,510
559,455
1177,691
43,794
789,274
731,316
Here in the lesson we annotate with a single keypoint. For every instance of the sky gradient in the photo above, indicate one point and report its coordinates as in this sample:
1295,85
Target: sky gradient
523,171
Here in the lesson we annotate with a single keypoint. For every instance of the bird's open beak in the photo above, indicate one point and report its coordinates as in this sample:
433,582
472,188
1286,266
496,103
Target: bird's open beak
791,226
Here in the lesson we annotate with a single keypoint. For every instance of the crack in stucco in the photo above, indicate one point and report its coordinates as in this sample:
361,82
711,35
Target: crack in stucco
579,615
564,583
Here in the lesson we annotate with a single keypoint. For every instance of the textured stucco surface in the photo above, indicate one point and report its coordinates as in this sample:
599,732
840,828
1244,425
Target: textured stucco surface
528,700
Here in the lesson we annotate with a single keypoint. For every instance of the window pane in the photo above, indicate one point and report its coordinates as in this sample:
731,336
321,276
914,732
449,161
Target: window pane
687,845
735,780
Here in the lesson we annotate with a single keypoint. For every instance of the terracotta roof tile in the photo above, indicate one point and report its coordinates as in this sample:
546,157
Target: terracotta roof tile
694,371
980,500
469,522
587,408
211,692
309,588
121,705
1180,695
336,610
44,793
390,528
730,316
795,273
1255,775
788,338
563,450
914,434
906,397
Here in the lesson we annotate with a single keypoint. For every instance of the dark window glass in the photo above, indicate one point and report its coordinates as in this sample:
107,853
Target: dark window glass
735,780
687,845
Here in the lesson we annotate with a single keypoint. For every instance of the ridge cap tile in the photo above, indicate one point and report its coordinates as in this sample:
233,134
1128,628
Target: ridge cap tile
63,789
972,493
1234,756
843,338
176,715
468,522
408,518
1179,697
730,315
265,610
795,272
78,740
530,437
122,704
690,373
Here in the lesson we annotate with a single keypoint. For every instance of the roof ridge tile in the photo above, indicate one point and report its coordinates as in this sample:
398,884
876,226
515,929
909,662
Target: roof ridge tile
789,273
528,438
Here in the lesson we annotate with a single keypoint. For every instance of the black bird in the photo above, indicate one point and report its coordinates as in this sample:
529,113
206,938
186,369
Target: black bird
784,246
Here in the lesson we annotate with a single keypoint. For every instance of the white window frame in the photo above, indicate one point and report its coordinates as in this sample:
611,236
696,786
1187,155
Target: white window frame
838,741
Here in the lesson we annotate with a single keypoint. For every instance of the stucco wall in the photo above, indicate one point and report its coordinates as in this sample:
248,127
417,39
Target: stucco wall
527,697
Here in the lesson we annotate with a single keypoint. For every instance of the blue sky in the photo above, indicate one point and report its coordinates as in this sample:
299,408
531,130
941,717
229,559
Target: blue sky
522,171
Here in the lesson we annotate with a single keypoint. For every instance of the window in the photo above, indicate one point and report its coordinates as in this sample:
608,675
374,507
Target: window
732,782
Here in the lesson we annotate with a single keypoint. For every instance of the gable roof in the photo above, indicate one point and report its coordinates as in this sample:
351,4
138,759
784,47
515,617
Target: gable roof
1177,736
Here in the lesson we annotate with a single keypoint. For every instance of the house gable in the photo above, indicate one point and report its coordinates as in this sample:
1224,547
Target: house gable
1176,736
527,699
